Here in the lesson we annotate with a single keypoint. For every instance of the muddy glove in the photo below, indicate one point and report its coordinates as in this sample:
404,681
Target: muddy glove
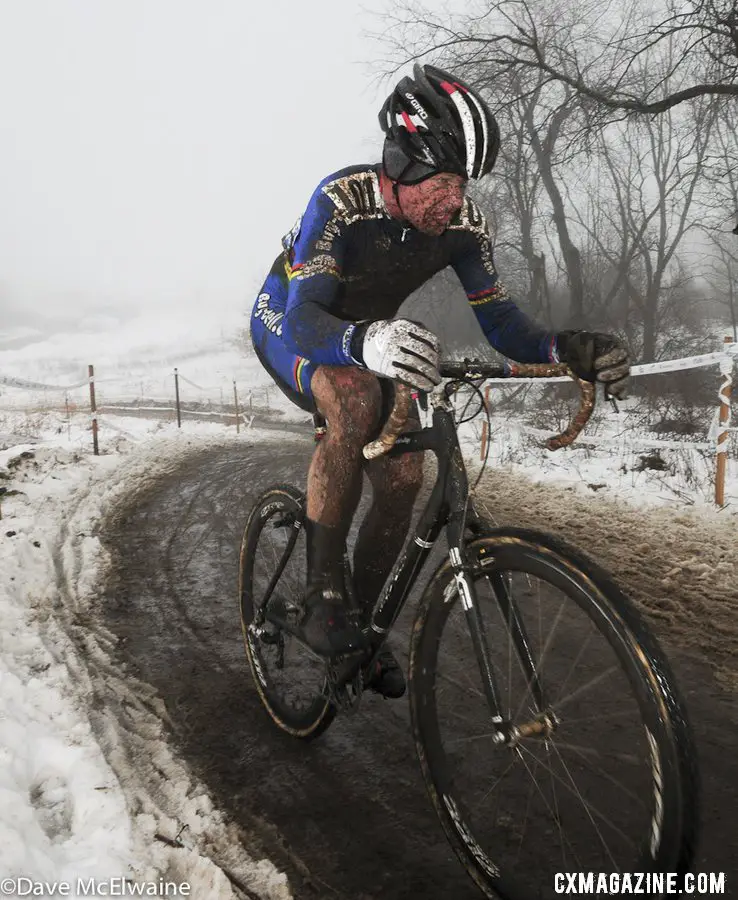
398,348
594,356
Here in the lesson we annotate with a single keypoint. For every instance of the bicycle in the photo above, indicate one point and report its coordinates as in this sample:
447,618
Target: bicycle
528,666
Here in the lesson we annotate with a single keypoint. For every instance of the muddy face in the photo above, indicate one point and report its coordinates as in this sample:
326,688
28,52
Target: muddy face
431,205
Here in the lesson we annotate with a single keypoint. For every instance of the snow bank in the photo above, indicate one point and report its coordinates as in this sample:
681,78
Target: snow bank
88,785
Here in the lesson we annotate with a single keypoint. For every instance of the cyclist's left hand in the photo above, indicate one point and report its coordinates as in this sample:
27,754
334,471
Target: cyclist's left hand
594,356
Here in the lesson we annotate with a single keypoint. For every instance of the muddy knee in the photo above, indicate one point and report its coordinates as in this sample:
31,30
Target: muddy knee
350,399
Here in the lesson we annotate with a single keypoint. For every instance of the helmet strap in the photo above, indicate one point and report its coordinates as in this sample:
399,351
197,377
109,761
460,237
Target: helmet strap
396,195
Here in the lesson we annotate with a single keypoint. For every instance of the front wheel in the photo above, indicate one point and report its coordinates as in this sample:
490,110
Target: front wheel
597,771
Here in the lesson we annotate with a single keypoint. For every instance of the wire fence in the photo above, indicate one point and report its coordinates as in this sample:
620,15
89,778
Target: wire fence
184,398
97,401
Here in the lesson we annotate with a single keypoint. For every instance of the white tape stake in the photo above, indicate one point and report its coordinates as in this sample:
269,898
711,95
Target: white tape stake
720,428
724,393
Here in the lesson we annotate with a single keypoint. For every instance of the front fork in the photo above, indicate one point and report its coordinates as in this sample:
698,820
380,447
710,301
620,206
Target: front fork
463,566
505,731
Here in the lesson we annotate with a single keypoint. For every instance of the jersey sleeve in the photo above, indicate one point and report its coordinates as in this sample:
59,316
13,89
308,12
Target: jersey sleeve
314,259
505,326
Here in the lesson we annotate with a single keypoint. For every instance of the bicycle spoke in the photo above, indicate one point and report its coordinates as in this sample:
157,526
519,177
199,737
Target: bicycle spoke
585,752
498,780
474,737
511,652
590,808
561,703
548,806
528,804
620,757
544,652
470,690
556,806
575,662
600,717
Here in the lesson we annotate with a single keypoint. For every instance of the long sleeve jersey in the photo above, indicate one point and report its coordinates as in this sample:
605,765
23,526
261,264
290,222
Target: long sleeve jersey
347,261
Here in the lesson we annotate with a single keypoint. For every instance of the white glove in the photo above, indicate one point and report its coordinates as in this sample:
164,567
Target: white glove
401,349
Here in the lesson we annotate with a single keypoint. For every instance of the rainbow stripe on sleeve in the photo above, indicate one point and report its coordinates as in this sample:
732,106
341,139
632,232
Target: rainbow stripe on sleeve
300,364
480,297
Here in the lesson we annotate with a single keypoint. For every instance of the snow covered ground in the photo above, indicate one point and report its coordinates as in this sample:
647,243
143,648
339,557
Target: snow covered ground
76,804
75,797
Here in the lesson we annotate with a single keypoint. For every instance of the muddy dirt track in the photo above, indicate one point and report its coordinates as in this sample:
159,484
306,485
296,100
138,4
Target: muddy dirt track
347,816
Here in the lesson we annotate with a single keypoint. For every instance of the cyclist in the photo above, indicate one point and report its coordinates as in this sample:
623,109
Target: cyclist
323,327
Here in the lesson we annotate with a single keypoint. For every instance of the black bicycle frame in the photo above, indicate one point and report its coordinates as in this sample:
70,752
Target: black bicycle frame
447,506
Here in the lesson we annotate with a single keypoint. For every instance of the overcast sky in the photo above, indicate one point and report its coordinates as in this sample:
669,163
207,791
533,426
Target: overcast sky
154,151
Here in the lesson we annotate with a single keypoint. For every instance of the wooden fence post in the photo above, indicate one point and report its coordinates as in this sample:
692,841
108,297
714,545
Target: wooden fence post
93,408
238,415
726,389
176,398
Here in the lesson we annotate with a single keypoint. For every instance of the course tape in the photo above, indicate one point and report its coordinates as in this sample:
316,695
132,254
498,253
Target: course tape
722,358
38,386
192,383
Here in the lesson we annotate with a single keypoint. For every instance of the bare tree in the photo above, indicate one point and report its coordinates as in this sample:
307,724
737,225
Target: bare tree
722,276
545,130
645,205
564,84
512,203
720,261
688,47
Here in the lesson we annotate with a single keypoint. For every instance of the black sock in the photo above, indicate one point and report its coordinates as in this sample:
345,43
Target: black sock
325,550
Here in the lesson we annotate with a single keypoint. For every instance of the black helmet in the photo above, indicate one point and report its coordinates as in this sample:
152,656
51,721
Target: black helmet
434,123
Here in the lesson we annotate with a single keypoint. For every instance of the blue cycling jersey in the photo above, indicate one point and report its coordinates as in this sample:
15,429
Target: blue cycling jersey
347,260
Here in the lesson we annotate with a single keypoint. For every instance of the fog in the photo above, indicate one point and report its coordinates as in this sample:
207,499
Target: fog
153,152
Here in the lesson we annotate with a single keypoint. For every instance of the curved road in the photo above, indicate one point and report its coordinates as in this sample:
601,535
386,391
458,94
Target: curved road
346,816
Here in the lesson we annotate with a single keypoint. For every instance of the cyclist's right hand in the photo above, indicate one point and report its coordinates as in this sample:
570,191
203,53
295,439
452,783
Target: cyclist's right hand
401,349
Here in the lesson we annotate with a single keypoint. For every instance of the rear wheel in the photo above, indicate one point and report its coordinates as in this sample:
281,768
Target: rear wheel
291,681
601,774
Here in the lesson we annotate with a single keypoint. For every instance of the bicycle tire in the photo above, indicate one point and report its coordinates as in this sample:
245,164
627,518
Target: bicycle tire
670,844
279,503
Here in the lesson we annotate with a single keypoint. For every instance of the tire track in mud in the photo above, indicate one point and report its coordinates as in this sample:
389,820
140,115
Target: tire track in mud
347,816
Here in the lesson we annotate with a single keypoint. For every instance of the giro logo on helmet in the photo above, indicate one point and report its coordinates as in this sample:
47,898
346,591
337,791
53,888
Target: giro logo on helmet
416,106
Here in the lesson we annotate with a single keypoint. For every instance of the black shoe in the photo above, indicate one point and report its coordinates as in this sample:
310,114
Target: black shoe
385,675
329,628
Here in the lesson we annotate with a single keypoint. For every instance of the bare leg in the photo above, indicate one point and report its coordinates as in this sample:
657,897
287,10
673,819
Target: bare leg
350,399
396,482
